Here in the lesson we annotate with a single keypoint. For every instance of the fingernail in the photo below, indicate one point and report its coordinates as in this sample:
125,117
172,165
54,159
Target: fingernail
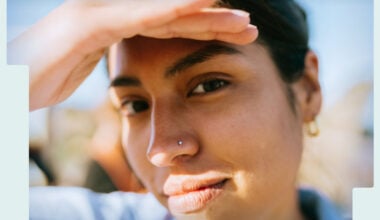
240,13
254,31
252,26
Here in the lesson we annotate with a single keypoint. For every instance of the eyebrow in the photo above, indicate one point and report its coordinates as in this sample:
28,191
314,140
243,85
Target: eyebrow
125,81
202,55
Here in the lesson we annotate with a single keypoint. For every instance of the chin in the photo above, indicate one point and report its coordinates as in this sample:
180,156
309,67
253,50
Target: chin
193,216
215,211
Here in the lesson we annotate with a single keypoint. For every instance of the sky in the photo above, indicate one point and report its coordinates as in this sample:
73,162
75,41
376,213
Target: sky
341,32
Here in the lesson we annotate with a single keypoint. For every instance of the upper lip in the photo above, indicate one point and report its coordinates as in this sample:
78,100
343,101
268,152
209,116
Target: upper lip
182,185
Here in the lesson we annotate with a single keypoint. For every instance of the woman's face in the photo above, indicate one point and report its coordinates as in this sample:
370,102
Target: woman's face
208,127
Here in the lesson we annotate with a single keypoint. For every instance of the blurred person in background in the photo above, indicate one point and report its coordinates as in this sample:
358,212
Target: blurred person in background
108,167
213,112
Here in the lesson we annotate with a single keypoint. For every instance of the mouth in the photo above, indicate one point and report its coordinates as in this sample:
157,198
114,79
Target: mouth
192,197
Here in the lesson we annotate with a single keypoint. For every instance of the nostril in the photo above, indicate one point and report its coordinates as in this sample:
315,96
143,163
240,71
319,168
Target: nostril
165,160
158,159
169,151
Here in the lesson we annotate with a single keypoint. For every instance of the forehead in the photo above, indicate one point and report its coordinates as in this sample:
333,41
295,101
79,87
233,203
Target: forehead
139,52
141,56
140,47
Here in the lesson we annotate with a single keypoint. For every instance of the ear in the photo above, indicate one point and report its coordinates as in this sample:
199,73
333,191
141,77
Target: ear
308,90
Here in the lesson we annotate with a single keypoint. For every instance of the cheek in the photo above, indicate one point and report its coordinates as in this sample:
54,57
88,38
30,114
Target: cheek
135,145
257,134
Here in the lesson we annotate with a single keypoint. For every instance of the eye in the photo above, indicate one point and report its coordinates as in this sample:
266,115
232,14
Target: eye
132,107
208,86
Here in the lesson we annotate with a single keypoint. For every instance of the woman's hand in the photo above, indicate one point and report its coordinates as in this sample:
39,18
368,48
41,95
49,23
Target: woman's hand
64,47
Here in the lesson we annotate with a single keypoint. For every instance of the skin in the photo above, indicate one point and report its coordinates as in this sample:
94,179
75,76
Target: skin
63,48
244,131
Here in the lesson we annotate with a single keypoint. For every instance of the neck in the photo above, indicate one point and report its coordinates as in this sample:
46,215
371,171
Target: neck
288,208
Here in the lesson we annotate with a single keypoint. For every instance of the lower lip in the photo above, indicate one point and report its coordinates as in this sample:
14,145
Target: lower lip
195,200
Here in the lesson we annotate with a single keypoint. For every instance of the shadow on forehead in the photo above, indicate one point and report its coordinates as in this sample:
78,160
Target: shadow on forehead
186,52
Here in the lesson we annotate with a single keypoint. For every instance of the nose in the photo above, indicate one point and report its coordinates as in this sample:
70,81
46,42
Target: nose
172,140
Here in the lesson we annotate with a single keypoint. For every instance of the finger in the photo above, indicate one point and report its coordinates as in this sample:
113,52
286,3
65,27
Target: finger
160,13
248,35
208,20
108,21
126,18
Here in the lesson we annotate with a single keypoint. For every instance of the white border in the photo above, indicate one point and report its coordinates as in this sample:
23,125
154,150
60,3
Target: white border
14,96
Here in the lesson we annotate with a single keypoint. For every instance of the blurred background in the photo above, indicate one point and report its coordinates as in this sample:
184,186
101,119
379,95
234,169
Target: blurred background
77,142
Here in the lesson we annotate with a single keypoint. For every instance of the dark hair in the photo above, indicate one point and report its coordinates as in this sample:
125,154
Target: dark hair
283,31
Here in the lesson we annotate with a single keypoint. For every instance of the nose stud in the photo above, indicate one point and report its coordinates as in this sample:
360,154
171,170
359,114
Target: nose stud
180,142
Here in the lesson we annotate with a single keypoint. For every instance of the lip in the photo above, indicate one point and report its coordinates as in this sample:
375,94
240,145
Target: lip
192,195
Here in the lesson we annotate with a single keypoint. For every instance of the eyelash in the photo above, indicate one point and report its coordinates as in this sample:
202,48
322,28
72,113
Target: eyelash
128,107
207,83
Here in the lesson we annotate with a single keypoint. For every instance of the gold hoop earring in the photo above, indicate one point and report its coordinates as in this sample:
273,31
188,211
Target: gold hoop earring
312,128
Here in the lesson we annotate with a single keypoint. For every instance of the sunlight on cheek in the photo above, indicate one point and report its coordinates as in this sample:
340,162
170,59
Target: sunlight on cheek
114,98
241,183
